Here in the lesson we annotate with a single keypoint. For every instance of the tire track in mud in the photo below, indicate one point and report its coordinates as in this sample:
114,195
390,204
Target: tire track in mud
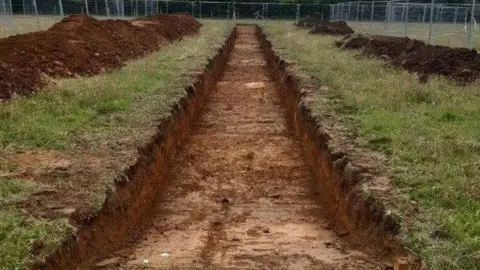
240,194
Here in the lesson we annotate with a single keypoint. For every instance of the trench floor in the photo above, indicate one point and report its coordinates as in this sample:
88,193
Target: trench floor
240,194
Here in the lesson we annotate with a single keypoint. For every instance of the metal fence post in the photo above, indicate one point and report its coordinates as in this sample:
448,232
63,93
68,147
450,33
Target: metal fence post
349,7
4,7
297,15
438,13
371,15
145,8
86,7
466,16
406,20
361,16
192,5
341,13
107,9
266,10
330,11
36,13
424,12
431,22
455,15
441,15
358,7
60,7
35,7
472,21
118,8
200,8
387,9
166,6
96,7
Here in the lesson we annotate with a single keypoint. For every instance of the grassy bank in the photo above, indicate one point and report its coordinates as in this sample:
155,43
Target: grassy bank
430,134
105,117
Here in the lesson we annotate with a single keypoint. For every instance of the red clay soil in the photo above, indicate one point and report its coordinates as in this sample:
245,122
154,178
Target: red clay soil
82,45
339,28
240,194
458,64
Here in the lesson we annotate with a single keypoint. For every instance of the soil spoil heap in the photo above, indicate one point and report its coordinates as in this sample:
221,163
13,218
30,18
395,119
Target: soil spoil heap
318,26
82,45
457,64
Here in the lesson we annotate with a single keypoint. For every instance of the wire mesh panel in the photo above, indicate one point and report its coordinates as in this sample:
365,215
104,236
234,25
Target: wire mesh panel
449,24
279,11
213,10
318,11
5,13
439,23
5,7
249,11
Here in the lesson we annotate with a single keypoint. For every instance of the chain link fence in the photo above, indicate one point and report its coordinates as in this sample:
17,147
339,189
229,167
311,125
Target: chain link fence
133,8
32,15
447,24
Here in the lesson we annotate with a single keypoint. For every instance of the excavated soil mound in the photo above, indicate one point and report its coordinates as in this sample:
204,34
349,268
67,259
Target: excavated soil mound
339,28
82,45
458,64
332,28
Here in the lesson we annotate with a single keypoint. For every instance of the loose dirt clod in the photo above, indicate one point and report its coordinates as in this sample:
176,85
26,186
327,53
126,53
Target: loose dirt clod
457,64
318,26
82,45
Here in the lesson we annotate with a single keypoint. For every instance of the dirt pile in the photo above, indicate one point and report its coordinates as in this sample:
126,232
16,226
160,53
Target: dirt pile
318,26
82,45
332,28
309,22
458,64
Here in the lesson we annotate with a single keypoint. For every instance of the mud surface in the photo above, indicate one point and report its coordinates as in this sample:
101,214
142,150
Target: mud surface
457,64
240,194
318,26
82,45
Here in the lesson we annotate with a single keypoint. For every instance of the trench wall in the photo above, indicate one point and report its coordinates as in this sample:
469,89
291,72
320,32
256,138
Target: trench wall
136,189
364,220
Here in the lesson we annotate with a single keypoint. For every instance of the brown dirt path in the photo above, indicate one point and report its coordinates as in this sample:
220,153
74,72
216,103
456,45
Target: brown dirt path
240,195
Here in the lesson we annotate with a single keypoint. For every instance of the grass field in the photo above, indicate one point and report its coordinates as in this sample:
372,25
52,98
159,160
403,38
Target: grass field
430,134
116,111
447,34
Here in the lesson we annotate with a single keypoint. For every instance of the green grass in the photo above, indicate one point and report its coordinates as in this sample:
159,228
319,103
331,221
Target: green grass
88,115
430,134
17,232
97,106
